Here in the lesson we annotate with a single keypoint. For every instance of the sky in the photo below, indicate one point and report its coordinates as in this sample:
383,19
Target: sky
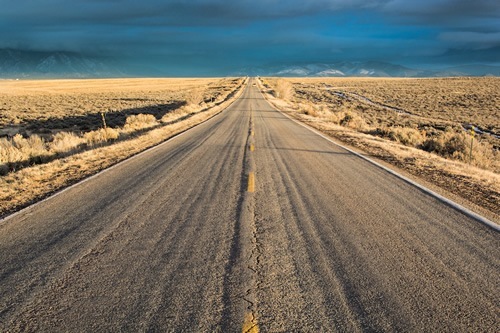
222,36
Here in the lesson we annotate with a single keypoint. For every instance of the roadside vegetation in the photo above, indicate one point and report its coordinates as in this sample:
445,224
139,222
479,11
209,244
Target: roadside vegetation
446,131
54,133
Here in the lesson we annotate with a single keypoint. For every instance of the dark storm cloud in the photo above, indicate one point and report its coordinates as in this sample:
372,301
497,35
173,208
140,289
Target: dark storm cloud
178,11
443,9
223,11
254,31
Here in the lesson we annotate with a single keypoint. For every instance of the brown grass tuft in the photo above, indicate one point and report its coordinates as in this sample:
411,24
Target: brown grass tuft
65,142
457,145
354,121
19,148
195,96
100,136
19,151
284,89
140,121
405,135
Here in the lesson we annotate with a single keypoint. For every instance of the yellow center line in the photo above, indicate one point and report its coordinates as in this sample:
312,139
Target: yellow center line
251,182
250,326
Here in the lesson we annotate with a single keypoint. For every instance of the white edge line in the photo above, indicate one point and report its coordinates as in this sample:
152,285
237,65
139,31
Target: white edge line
84,180
424,189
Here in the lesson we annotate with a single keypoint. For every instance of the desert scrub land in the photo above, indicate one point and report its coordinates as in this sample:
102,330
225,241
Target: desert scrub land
56,132
445,131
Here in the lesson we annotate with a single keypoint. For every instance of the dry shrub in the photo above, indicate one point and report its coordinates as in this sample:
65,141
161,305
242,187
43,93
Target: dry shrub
265,83
195,96
65,142
449,144
100,136
313,110
457,145
309,110
283,89
354,121
37,145
485,156
174,115
21,149
405,135
9,152
335,117
140,121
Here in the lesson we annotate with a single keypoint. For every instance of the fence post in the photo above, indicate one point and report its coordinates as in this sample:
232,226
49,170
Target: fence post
103,120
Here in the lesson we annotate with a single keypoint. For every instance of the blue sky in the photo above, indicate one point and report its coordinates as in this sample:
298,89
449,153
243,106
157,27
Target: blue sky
217,37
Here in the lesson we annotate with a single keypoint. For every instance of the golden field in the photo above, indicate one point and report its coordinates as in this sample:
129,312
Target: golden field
452,101
48,106
442,130
55,132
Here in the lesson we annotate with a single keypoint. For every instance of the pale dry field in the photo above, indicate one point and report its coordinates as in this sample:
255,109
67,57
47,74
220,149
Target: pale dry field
46,106
52,132
457,100
419,125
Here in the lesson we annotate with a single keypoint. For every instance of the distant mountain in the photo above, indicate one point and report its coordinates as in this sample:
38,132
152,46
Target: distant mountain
471,70
37,64
367,69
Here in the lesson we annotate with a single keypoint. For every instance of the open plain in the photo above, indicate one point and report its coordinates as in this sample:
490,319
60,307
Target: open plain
47,106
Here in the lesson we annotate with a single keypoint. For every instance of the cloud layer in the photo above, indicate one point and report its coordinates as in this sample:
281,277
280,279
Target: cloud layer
223,34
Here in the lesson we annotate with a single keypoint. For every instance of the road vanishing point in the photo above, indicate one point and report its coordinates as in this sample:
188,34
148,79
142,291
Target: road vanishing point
248,222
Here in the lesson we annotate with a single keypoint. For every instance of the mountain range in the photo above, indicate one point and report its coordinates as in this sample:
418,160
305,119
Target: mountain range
60,64
369,69
44,64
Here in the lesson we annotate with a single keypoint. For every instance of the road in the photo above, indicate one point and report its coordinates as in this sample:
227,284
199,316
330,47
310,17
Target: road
248,221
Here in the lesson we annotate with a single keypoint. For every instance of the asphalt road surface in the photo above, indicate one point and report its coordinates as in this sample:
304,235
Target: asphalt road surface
247,222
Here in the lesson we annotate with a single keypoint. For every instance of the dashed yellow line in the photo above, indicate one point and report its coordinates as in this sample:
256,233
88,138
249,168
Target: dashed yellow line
250,323
250,326
251,182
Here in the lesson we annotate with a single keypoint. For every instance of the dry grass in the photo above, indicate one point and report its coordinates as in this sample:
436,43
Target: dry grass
283,89
63,143
100,136
415,124
45,107
37,161
455,100
43,120
140,121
